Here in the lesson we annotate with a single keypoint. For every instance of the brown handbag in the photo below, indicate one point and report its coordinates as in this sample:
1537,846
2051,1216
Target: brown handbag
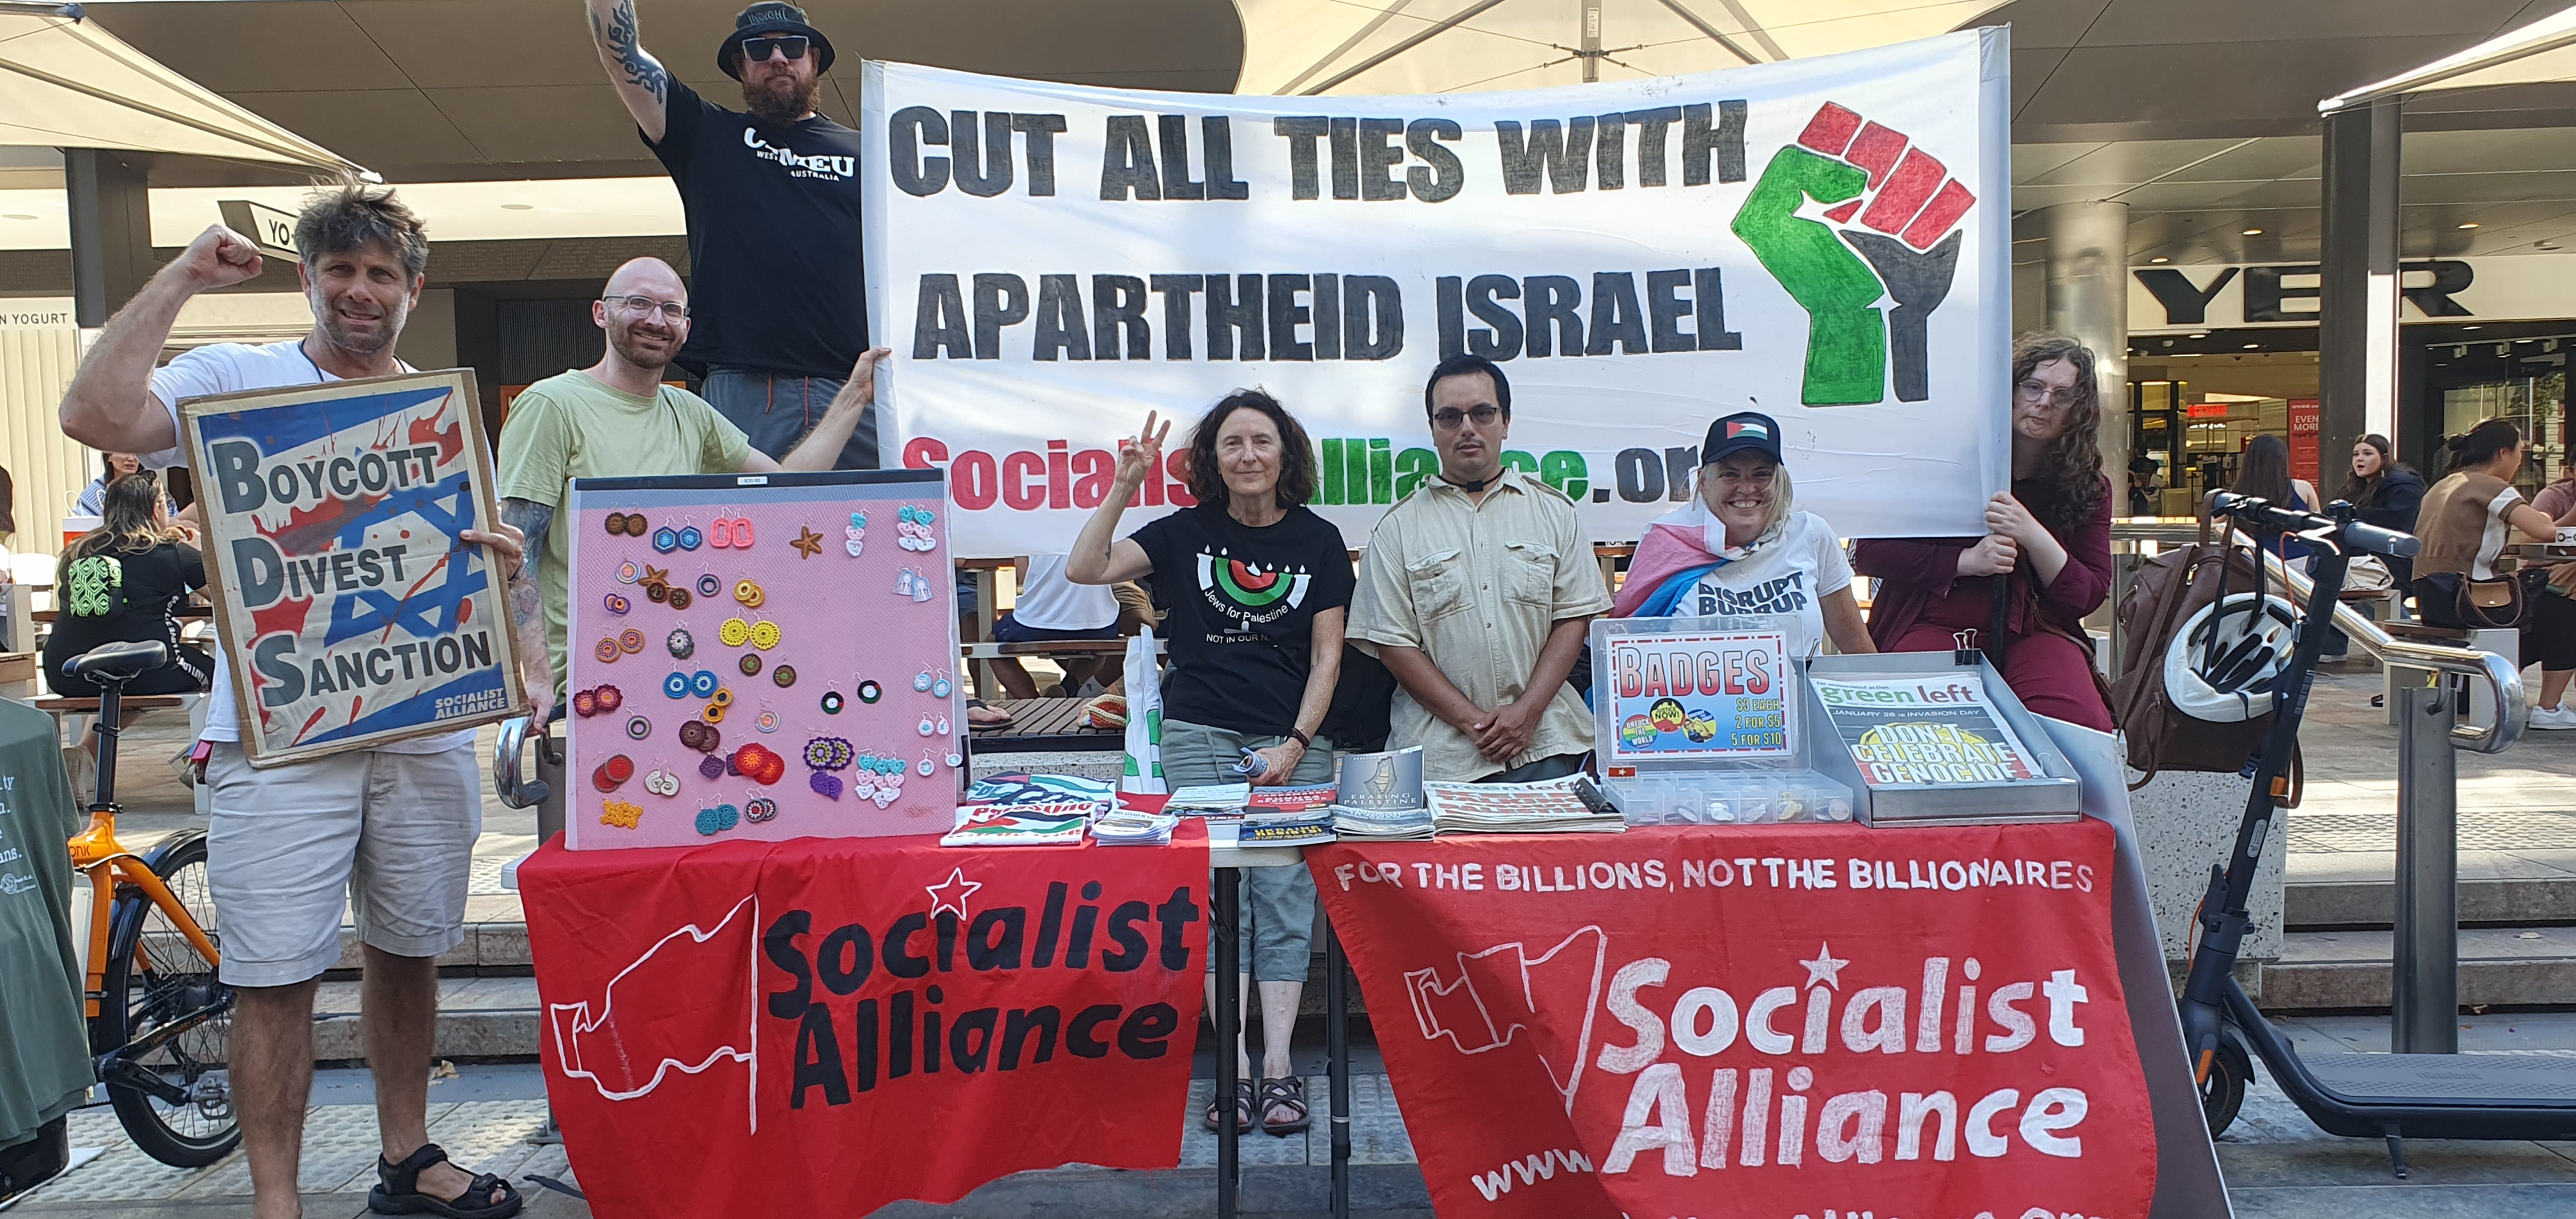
2494,604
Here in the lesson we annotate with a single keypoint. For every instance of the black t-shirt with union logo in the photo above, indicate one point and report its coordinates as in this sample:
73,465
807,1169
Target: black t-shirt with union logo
775,277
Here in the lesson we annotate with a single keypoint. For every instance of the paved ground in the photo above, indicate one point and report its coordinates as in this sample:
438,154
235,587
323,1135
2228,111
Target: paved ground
2518,818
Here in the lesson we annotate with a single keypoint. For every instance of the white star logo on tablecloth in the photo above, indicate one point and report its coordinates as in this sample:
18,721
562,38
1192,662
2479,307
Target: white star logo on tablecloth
956,883
1826,969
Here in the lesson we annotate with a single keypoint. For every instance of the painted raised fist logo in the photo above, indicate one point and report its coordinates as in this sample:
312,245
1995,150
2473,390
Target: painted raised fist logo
1904,247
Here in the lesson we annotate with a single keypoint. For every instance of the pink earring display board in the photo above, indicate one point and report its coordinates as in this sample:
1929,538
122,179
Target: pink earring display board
761,657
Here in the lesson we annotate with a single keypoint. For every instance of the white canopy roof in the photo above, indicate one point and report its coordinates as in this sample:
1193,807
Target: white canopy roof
66,83
1449,46
2539,53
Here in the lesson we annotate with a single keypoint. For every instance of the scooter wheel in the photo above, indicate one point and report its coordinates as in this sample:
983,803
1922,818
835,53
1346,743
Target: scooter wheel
2223,1092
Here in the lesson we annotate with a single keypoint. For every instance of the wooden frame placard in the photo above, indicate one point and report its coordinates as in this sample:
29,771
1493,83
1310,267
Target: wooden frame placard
351,616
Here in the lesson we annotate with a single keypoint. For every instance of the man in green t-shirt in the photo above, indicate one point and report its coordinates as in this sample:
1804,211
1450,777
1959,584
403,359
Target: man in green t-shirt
615,419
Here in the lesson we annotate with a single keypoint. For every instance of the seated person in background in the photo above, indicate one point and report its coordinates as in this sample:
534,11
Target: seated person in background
113,466
2388,493
2465,522
121,583
1476,593
2264,472
616,419
1742,547
2047,554
2142,485
2558,498
1052,608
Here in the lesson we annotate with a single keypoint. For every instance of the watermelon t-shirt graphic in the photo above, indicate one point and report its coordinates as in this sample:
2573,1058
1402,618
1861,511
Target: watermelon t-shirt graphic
1244,590
1242,603
1890,229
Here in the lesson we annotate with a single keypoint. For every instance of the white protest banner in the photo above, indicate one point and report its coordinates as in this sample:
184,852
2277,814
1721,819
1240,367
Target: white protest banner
1826,240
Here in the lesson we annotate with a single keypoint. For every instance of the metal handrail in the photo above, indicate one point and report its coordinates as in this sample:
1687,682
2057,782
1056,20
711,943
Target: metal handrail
2501,680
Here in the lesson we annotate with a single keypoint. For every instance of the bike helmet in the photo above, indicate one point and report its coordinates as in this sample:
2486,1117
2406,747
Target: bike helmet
2232,682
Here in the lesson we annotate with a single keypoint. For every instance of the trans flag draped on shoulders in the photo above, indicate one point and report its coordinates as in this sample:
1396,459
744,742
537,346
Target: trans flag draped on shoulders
1682,546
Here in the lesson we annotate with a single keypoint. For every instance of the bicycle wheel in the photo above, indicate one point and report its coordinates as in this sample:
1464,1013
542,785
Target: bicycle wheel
165,1024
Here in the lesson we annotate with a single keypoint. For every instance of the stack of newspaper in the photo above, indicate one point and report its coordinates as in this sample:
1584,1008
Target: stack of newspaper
1287,816
1379,798
1558,806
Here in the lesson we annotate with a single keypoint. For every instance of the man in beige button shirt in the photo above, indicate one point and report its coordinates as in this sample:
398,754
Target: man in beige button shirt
1474,593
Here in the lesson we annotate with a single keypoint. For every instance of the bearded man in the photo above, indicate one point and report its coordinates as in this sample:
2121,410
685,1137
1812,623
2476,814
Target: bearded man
772,334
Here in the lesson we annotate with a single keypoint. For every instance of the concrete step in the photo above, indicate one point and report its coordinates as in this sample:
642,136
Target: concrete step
2347,905
477,1018
2349,970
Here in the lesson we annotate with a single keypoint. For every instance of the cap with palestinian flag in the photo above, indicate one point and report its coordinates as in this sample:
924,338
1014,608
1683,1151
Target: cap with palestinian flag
1738,432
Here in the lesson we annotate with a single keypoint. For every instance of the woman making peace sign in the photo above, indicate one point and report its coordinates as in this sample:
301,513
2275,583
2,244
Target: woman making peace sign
1255,587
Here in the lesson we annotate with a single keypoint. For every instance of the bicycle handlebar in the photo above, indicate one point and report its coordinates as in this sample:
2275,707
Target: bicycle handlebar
2338,530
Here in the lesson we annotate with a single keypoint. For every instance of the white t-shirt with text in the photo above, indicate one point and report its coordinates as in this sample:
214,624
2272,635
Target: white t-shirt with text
1788,573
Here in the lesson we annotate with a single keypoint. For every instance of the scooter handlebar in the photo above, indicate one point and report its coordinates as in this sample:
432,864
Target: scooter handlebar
2349,535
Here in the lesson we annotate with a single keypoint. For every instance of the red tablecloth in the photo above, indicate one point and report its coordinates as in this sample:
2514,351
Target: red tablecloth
757,1028
1767,1021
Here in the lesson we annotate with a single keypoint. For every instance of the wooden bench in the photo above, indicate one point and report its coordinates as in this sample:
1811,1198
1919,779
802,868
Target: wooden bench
1046,724
77,761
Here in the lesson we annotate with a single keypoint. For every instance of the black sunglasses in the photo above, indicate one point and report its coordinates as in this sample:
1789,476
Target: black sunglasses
755,50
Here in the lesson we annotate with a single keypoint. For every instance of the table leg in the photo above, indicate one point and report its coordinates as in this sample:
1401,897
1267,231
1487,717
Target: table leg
987,587
1224,895
1337,1066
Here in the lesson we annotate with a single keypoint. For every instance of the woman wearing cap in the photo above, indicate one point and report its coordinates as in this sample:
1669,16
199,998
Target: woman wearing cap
1742,547
2046,553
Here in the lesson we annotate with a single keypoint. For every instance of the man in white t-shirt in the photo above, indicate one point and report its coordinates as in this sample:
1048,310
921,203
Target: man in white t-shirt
390,829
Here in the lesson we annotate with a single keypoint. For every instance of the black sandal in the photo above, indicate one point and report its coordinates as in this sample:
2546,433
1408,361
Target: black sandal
1286,1092
398,1190
1242,1109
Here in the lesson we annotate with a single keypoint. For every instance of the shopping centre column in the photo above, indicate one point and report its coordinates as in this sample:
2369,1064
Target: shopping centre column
2088,297
111,221
2358,304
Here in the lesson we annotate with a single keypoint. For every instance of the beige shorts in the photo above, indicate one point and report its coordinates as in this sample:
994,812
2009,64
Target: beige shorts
391,834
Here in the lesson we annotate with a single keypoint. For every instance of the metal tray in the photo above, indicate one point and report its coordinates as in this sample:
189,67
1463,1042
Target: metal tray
2058,797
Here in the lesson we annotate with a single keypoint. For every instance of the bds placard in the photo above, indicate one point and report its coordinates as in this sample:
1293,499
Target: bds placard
351,611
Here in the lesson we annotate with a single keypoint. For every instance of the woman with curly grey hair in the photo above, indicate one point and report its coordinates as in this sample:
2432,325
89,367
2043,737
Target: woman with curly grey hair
2046,552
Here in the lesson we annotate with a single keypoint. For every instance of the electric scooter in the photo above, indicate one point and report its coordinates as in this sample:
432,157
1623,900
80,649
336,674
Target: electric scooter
2391,1096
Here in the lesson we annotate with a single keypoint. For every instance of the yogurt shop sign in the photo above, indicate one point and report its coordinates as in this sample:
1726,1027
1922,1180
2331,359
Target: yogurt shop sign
2174,299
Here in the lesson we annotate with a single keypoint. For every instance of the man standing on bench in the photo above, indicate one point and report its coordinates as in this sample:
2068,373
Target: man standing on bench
392,828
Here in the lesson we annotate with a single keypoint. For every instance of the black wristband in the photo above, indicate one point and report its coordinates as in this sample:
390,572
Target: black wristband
1300,736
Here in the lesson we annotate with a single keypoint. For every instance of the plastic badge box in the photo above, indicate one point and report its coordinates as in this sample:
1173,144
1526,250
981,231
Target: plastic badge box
2056,797
1666,782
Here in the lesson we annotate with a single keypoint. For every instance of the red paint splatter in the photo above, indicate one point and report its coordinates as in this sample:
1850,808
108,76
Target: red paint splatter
450,440
464,610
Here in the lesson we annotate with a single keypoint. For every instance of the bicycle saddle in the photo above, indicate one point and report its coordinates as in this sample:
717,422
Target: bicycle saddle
119,661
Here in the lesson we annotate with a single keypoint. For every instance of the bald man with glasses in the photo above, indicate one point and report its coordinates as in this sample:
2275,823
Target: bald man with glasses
617,419
774,333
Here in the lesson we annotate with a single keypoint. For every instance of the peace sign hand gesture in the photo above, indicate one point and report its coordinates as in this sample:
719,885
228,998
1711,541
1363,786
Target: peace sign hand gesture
1141,455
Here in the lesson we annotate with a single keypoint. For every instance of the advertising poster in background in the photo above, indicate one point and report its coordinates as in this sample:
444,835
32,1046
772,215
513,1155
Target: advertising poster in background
2303,440
1825,240
350,612
1711,697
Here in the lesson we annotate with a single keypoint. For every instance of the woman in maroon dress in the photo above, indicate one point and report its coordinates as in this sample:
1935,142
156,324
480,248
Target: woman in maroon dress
2047,542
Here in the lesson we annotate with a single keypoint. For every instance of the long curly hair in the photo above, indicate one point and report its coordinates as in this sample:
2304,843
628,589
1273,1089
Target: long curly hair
2071,471
1296,452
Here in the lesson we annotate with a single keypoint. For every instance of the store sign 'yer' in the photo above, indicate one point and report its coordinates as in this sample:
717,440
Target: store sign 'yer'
2170,299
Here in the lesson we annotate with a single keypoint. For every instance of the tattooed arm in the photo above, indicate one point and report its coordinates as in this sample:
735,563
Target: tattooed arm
527,603
640,79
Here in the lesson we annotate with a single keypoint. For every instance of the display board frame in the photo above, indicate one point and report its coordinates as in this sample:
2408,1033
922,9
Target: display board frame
299,440
816,594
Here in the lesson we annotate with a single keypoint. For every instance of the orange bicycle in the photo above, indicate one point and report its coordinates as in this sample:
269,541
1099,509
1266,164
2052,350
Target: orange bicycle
160,1018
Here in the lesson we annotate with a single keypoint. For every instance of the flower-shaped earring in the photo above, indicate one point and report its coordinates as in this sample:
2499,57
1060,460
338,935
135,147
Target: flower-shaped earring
921,681
683,645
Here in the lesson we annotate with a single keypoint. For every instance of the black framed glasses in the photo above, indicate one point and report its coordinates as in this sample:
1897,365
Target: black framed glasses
754,50
1452,419
644,306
